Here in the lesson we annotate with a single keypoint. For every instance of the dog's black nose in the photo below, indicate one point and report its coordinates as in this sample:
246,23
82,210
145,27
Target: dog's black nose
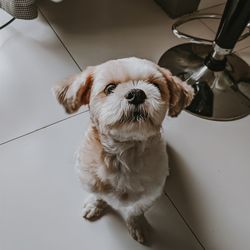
136,96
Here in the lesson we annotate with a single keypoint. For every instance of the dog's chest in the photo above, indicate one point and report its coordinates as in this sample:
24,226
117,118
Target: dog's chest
132,168
140,168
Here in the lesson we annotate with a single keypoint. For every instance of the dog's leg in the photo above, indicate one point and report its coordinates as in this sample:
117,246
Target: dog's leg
94,208
136,222
137,227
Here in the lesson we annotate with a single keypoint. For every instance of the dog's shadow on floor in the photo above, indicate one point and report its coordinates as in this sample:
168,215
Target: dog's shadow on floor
180,193
118,220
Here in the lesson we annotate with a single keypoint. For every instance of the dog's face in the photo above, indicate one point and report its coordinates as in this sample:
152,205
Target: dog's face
128,98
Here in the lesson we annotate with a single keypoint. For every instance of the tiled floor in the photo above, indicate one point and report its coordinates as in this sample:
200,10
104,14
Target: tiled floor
206,205
32,60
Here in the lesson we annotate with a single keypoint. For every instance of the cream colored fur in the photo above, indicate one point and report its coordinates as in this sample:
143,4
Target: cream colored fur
122,161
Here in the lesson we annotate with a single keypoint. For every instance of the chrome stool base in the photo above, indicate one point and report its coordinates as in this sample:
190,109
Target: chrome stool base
223,95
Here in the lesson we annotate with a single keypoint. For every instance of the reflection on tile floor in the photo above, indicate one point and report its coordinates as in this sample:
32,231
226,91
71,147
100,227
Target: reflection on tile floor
115,29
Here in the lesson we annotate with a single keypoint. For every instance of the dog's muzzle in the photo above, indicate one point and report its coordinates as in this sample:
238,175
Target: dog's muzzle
136,96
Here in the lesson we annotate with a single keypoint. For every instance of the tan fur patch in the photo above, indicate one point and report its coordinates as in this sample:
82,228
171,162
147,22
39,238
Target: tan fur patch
180,96
124,196
101,187
110,160
161,84
81,97
85,90
62,89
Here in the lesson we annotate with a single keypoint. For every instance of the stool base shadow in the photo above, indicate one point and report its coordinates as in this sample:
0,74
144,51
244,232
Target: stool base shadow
223,95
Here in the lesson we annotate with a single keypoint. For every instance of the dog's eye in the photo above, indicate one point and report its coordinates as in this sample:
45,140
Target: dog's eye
156,85
109,88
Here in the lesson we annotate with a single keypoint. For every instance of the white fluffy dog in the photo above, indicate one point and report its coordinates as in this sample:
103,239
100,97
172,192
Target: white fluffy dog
122,161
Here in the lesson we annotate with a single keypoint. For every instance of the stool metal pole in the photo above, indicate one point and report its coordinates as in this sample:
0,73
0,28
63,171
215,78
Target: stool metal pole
235,18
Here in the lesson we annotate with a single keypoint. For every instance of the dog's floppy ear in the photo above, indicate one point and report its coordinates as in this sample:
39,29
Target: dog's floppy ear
180,93
75,91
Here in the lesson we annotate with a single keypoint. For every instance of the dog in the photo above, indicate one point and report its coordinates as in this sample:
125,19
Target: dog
122,161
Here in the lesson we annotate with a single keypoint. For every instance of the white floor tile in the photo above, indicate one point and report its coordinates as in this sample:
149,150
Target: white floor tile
209,181
95,31
4,17
41,200
245,54
32,60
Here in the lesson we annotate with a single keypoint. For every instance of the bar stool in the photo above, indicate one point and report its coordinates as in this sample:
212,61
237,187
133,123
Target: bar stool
221,79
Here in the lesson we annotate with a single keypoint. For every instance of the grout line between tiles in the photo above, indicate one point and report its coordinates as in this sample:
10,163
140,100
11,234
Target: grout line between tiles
41,128
49,125
211,7
58,37
204,11
248,47
207,26
184,220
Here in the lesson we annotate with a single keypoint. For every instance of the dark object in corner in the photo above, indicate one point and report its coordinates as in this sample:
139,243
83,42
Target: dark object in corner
21,9
176,8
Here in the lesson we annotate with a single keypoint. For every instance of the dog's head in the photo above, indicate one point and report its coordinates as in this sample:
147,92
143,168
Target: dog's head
128,98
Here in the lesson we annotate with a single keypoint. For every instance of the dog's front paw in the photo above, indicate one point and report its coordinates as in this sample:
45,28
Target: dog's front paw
94,208
137,229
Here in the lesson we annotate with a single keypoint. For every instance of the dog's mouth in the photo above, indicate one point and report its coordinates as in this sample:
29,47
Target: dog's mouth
136,115
139,116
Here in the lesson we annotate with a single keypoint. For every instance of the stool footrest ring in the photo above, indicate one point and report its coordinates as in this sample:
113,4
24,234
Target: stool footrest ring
198,40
